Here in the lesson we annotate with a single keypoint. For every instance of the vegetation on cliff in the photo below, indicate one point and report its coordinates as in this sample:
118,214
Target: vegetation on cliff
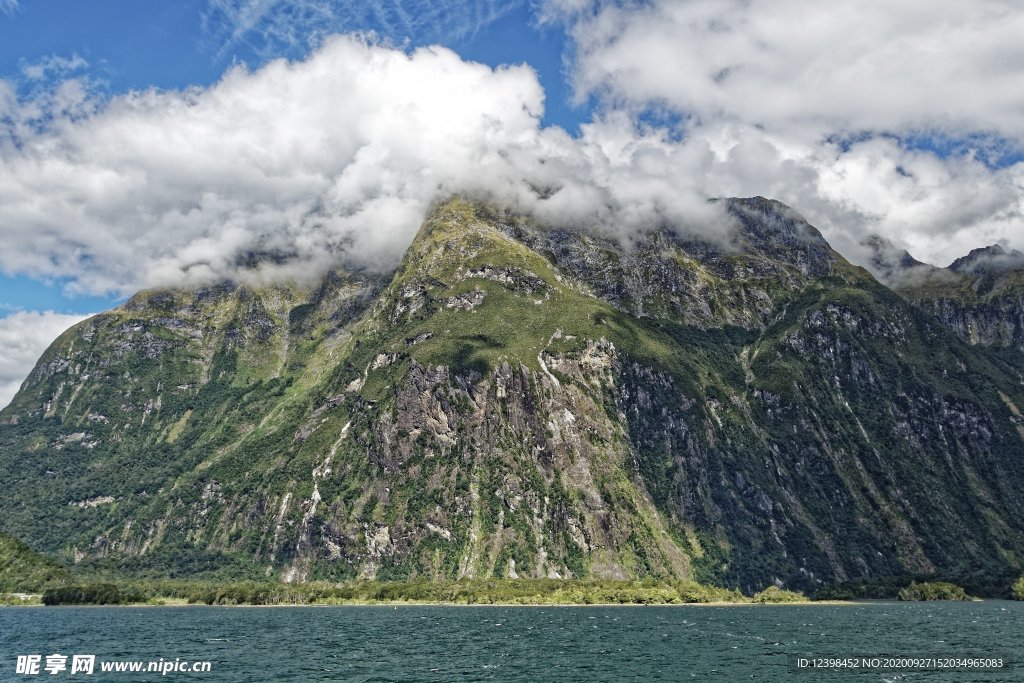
24,571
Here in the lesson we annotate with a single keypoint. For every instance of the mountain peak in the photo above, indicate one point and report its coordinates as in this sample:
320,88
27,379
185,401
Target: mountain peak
771,220
889,263
885,254
992,259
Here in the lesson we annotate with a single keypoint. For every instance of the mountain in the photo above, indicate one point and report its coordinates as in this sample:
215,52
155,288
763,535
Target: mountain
525,400
979,296
991,260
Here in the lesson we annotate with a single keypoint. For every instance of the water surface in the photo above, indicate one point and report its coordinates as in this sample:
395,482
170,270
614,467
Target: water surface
438,643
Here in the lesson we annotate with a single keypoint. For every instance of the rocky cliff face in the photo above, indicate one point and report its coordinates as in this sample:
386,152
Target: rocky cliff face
979,296
517,400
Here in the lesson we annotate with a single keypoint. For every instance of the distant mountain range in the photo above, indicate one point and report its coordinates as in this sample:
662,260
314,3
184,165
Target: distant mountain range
979,296
521,400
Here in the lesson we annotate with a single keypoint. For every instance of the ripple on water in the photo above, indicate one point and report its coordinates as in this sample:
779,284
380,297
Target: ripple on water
426,643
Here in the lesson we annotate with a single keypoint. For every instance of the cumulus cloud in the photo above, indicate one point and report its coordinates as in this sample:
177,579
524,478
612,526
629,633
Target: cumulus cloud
304,163
825,105
23,337
343,150
813,68
937,208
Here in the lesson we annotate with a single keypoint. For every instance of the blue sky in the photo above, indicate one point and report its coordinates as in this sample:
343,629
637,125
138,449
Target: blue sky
131,45
137,45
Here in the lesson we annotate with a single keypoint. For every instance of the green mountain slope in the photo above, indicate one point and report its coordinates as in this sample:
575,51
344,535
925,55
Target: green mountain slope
23,570
523,401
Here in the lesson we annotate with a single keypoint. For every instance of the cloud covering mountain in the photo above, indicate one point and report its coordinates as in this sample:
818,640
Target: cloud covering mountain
342,152
901,119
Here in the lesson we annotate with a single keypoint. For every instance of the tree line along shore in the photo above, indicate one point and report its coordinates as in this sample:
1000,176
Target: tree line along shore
27,578
476,592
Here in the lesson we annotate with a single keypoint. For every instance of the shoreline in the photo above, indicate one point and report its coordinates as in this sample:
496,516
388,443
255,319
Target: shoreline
402,603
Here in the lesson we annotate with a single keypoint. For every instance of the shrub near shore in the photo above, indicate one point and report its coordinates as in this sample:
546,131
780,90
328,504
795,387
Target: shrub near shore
933,590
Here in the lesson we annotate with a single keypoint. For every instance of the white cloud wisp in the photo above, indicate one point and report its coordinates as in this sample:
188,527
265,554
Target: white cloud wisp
274,27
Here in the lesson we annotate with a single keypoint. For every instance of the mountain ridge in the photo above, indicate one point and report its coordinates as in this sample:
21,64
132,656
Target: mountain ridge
519,400
979,296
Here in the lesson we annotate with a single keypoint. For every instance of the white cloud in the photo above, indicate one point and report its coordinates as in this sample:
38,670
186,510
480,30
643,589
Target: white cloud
23,338
8,7
813,68
165,187
937,208
344,151
52,65
774,87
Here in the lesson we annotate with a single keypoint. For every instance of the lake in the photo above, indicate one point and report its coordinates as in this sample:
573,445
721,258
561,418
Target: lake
440,643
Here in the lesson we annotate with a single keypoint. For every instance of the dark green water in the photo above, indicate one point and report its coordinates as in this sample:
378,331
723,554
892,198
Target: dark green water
516,644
